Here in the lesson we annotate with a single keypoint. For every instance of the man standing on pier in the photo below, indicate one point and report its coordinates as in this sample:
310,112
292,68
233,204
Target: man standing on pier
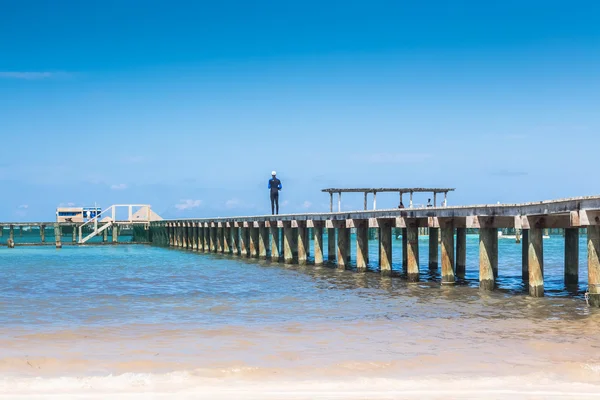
275,187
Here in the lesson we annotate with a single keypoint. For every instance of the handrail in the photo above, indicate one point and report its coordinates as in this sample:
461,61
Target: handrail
113,216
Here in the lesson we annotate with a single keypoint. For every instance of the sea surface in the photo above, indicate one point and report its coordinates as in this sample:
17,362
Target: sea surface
94,321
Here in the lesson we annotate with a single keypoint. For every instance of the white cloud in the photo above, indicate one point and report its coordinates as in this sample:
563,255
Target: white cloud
30,75
306,204
24,206
232,203
188,204
120,186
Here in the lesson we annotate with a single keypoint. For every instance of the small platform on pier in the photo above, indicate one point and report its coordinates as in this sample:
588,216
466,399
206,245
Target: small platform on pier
374,191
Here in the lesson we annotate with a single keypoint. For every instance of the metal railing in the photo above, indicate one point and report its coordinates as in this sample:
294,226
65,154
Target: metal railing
111,214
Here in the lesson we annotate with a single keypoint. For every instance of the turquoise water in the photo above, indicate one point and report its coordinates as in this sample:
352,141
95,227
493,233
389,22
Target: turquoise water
109,285
32,235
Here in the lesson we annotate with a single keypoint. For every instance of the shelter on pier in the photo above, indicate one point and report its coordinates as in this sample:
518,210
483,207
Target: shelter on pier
400,191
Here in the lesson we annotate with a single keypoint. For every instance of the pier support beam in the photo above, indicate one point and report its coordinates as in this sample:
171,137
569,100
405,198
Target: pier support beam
461,252
105,236
275,242
288,243
412,253
244,242
385,247
593,235
226,240
318,240
536,262
212,233
74,233
488,257
404,249
571,256
115,233
43,233
343,247
58,236
235,240
302,243
219,239
254,236
263,241
186,235
525,255
331,246
434,250
448,255
362,244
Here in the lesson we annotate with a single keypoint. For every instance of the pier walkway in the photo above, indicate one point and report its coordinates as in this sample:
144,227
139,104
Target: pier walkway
286,238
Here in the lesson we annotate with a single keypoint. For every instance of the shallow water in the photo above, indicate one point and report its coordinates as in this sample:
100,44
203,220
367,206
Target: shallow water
133,318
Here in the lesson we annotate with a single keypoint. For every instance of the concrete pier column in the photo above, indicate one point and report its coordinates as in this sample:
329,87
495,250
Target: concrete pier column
412,253
43,233
385,247
170,239
220,238
74,233
288,243
176,231
488,257
254,237
226,239
593,235
275,242
362,243
404,249
434,250
58,236
105,237
343,246
212,237
302,243
235,240
318,240
536,262
185,227
331,245
525,255
244,242
571,256
461,252
448,255
263,242
115,233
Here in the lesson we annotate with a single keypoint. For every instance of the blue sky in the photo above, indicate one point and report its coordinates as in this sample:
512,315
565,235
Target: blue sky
188,106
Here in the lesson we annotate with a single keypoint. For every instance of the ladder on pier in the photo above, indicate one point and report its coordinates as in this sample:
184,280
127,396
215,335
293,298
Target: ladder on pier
137,214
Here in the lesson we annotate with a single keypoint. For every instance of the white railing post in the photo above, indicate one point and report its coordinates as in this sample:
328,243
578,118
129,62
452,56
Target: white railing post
113,213
130,213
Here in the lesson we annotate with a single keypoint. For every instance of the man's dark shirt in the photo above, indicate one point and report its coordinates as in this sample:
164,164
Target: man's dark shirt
274,185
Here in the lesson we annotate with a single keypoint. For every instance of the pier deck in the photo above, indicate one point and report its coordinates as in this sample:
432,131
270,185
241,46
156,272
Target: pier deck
285,237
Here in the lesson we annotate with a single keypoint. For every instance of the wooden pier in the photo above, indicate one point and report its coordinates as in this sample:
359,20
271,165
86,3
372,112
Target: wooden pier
285,238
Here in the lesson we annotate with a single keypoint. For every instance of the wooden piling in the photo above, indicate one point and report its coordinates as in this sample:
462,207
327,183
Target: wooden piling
593,239
220,239
404,249
434,250
571,256
235,240
412,252
362,244
461,252
58,236
536,262
263,241
318,241
385,247
288,243
447,255
105,237
331,244
43,233
488,257
254,237
525,255
244,242
343,247
275,242
74,234
227,240
302,243
115,233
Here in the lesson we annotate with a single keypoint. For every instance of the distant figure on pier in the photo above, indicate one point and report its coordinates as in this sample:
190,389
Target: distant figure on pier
429,203
275,187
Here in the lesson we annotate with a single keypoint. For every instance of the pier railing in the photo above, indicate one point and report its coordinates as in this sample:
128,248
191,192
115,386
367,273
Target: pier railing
109,217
